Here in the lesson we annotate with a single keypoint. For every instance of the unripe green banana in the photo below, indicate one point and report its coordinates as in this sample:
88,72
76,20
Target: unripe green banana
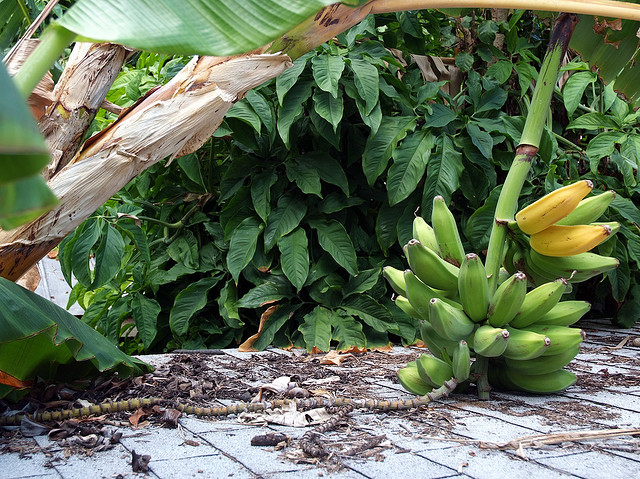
433,371
565,313
507,300
575,268
524,345
429,267
447,234
558,241
548,383
411,381
419,295
461,364
552,207
404,304
543,364
489,341
535,273
589,209
562,337
435,343
423,232
538,302
449,322
473,287
395,278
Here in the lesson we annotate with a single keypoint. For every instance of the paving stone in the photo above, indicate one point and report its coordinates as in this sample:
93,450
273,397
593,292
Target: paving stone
314,472
196,425
12,466
210,466
103,464
395,462
164,444
594,465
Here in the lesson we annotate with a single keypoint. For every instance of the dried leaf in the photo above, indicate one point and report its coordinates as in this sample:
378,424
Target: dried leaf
135,418
334,357
247,346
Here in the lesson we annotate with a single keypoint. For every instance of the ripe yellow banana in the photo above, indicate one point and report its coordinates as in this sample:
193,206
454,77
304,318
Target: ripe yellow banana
447,234
552,207
569,240
589,209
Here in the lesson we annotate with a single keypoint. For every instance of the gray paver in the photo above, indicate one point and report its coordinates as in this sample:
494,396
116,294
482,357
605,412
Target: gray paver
163,444
103,464
394,462
33,465
211,466
594,465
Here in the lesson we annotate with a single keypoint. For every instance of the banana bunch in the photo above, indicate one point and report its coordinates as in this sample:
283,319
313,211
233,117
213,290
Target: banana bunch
561,223
526,334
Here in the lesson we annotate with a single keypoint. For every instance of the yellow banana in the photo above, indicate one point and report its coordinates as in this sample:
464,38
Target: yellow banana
565,313
569,240
589,209
447,234
473,287
552,207
539,301
489,341
429,267
507,300
433,371
411,381
424,233
449,322
395,278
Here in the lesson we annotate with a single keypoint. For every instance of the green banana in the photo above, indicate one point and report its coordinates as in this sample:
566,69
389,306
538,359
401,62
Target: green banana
447,234
473,287
449,322
411,381
565,313
424,233
548,383
429,267
489,341
507,300
433,371
404,304
543,364
395,278
523,344
575,268
562,337
435,343
539,301
535,273
589,209
419,295
461,364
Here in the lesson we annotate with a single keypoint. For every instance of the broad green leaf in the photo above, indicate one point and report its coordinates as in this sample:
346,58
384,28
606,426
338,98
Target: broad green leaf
81,251
627,315
478,227
602,145
621,276
328,169
443,175
409,164
327,70
184,249
335,202
386,226
191,167
138,236
367,82
261,183
24,200
348,332
23,152
526,74
370,311
305,176
145,315
380,146
500,70
39,338
294,257
188,302
265,293
492,100
289,77
242,111
627,209
316,329
228,305
329,107
273,324
593,121
108,256
283,219
464,61
481,139
574,89
335,240
264,111
166,26
362,282
440,116
242,245
292,108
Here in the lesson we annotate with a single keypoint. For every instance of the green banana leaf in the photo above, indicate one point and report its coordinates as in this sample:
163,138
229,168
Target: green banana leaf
24,194
41,340
187,27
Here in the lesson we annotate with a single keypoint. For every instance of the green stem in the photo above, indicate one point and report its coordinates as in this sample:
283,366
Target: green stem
25,12
529,143
52,45
482,381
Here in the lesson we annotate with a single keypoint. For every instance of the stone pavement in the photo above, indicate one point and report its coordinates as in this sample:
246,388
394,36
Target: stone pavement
451,438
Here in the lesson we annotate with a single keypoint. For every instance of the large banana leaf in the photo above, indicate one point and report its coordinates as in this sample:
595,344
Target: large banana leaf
40,339
186,27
